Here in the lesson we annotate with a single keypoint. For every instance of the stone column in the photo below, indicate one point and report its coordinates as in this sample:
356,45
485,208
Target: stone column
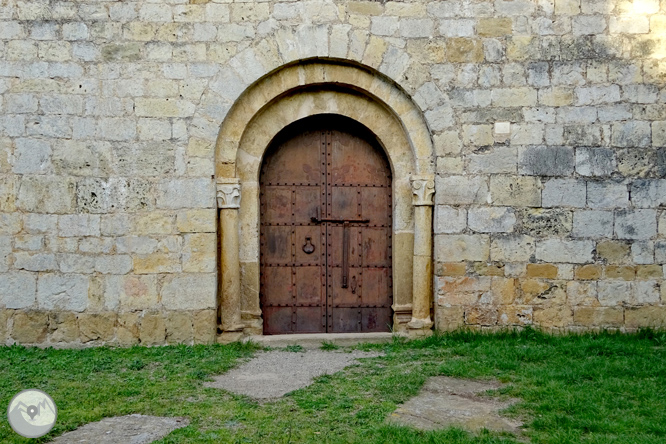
423,189
228,201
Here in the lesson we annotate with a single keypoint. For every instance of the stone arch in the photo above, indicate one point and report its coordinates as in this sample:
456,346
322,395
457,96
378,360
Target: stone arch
300,90
293,44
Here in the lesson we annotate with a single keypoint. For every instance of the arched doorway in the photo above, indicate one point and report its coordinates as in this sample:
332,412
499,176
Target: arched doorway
294,92
326,230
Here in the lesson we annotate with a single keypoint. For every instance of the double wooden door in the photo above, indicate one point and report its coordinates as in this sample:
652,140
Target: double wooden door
326,228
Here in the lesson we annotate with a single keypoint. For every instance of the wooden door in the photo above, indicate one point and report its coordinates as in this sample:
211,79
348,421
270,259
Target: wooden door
326,209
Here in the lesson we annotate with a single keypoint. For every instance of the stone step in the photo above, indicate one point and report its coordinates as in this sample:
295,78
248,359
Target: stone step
315,340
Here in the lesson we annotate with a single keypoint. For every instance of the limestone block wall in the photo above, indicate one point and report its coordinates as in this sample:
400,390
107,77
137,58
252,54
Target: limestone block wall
548,118
550,185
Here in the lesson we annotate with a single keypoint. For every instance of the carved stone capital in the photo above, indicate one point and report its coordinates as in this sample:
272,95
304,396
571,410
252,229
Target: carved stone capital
423,188
228,195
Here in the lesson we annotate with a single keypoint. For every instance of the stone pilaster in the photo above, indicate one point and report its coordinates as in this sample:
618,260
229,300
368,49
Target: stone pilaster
228,201
423,189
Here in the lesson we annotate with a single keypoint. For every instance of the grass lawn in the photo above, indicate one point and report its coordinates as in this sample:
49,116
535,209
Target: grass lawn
602,389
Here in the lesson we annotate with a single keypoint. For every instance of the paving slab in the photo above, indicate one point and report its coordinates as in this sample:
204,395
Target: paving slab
445,402
275,373
129,429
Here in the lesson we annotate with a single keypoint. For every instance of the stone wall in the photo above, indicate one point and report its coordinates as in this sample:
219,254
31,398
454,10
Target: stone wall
548,119
550,185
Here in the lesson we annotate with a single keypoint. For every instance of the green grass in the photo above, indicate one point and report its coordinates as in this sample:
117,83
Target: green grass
329,346
294,348
603,389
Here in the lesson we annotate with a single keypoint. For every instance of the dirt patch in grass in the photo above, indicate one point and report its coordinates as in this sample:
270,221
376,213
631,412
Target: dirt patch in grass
451,402
275,373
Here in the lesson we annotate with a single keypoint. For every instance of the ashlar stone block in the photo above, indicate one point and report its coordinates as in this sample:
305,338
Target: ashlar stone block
99,196
8,190
153,329
197,221
200,253
647,193
566,251
179,328
607,195
582,293
113,264
35,261
496,161
635,224
127,331
455,190
73,225
186,193
114,224
75,263
461,247
514,191
67,292
81,158
634,133
205,326
32,156
599,316
638,162
595,161
491,219
18,289
660,252
47,194
30,327
63,327
547,161
130,292
647,292
97,326
164,108
614,293
613,252
541,222
564,193
189,291
642,252
654,317
512,248
592,224
450,219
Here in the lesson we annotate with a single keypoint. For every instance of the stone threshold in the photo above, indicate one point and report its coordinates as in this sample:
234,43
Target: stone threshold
315,340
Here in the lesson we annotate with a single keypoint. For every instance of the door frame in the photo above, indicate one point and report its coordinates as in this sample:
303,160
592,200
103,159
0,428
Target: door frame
262,111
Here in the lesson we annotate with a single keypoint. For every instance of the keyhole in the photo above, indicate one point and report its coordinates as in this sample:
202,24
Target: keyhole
308,248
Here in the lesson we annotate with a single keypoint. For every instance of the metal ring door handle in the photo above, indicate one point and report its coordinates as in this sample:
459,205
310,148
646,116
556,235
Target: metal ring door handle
308,247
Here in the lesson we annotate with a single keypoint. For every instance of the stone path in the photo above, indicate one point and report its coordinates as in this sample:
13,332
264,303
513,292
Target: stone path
445,402
130,429
442,402
275,373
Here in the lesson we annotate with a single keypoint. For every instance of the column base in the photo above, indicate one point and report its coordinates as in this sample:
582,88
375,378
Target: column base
228,337
420,327
402,314
253,324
